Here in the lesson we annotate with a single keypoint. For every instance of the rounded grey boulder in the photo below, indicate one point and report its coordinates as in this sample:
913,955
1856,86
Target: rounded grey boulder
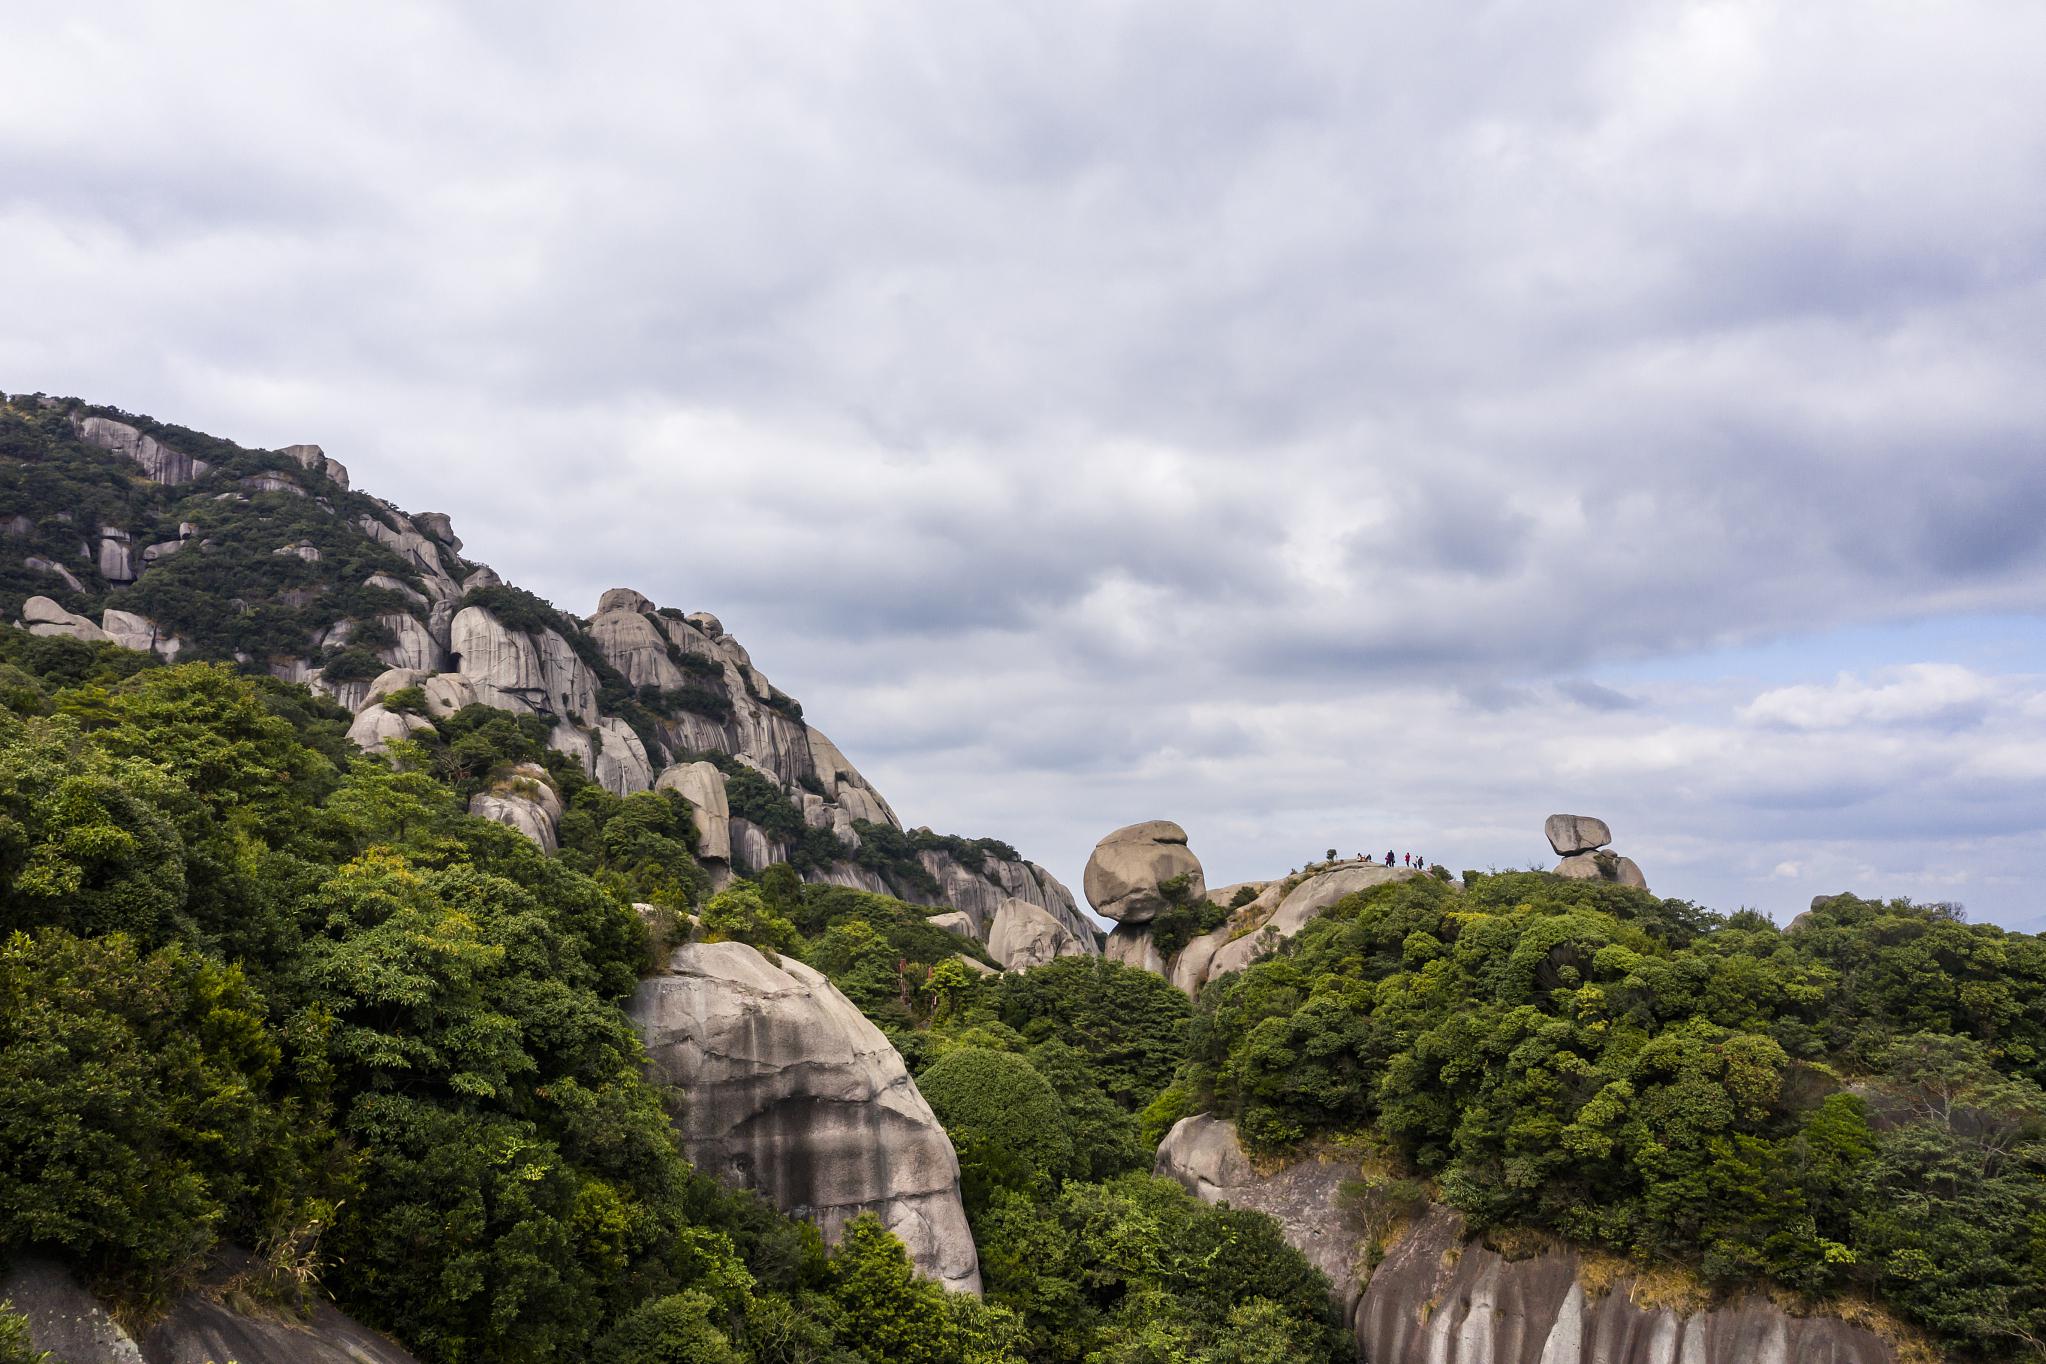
779,1084
1570,834
1131,870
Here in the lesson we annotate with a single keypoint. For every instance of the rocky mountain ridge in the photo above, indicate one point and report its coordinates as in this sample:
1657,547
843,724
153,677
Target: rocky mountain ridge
168,541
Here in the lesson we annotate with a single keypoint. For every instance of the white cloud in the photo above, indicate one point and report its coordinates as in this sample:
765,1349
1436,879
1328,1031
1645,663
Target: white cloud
1104,411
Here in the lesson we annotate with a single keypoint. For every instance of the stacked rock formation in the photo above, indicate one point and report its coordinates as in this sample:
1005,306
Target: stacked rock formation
1581,842
1139,872
782,1085
1446,1298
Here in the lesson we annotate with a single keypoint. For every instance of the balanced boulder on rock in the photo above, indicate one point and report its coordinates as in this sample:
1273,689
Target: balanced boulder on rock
1138,872
1570,834
1582,842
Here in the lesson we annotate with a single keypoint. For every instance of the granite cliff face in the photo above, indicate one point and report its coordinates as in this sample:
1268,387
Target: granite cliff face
779,1083
1441,1297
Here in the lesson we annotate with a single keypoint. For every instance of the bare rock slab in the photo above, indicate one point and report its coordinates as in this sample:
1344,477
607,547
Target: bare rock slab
779,1084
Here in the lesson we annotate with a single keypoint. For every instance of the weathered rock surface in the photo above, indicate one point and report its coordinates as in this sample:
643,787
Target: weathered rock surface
42,565
1025,935
159,461
1576,833
525,800
1280,911
1131,945
703,786
1304,1197
778,1083
375,727
621,764
140,633
314,460
956,921
534,674
1603,865
1440,1297
1485,1309
66,1319
44,617
1124,876
116,555
414,647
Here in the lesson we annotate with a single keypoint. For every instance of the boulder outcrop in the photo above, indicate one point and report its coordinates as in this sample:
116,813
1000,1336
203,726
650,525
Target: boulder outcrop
954,921
1569,834
1282,910
778,1083
140,633
374,727
1583,841
1131,944
44,617
1487,1309
525,800
1025,935
1135,870
200,1326
703,786
1442,1297
160,462
533,674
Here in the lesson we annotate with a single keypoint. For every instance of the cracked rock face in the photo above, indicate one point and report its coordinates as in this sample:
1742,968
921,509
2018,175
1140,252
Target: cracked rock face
1125,875
779,1084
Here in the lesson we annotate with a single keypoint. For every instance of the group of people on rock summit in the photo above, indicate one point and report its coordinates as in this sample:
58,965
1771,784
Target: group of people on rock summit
1402,860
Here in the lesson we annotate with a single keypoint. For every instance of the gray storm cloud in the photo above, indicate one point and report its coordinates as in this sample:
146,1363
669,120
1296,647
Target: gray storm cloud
1276,418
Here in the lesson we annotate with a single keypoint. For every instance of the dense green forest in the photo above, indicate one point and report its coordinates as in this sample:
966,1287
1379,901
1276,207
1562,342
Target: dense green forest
1852,1105
258,990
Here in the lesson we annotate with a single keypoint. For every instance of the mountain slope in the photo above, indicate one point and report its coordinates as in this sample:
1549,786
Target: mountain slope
169,540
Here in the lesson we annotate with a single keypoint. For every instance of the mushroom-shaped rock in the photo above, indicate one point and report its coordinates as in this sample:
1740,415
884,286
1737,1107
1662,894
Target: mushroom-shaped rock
1026,935
1137,872
375,727
624,599
781,1085
953,921
1570,834
703,786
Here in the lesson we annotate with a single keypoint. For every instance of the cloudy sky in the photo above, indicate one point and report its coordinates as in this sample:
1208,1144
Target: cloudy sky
1318,423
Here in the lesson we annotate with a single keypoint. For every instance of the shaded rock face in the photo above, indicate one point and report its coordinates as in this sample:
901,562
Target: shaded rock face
703,786
1442,1298
1304,1198
67,1320
533,674
160,462
374,727
1131,945
525,799
1025,935
1485,1309
1124,875
779,1084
